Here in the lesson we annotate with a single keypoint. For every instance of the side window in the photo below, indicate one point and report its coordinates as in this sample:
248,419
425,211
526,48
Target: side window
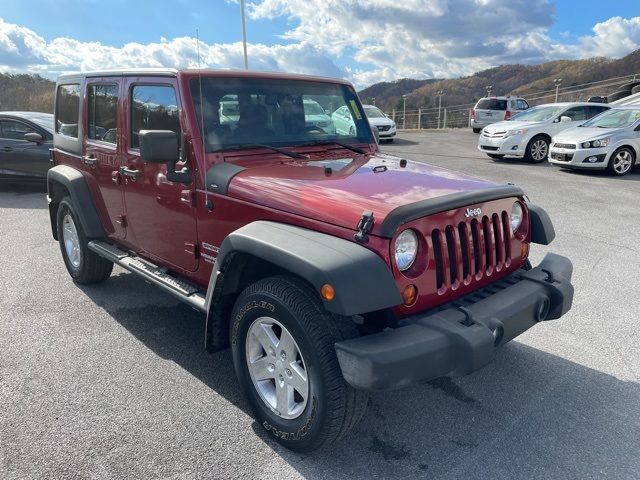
576,114
67,109
522,105
595,110
14,130
153,107
103,105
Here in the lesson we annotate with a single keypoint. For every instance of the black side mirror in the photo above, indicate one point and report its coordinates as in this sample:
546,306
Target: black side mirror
33,137
161,146
637,129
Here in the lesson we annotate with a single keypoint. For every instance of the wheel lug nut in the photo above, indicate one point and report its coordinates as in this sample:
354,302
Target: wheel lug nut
283,355
288,372
271,367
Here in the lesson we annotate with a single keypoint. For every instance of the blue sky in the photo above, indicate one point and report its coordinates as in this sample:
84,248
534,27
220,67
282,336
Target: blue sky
363,40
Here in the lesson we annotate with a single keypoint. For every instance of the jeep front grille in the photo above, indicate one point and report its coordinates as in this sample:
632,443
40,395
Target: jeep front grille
471,250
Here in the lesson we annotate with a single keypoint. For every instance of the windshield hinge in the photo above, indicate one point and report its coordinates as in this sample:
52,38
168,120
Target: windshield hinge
365,225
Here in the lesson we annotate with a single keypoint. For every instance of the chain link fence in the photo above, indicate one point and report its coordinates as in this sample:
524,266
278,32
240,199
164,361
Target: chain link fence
458,116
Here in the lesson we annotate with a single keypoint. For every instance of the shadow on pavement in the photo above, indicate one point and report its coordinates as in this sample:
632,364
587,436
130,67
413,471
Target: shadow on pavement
23,195
530,414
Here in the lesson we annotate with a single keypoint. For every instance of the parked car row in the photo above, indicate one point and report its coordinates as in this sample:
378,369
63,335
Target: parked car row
579,135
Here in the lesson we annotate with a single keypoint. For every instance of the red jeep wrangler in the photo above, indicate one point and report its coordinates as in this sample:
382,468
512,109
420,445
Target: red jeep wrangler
330,268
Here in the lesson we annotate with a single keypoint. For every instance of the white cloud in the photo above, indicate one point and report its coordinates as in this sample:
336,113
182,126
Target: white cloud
365,40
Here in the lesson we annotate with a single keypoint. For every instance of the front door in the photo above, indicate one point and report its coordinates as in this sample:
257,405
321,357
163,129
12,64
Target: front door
101,155
20,158
160,214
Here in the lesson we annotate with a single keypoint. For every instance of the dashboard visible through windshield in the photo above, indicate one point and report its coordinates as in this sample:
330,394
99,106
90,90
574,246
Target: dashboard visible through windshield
237,112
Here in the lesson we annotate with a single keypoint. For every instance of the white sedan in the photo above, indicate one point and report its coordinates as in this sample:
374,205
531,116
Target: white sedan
377,119
610,141
528,134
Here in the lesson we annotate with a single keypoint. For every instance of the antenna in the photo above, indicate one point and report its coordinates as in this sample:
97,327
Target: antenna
207,202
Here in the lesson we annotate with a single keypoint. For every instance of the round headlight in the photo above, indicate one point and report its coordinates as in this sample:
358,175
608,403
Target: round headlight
586,145
516,216
406,249
596,143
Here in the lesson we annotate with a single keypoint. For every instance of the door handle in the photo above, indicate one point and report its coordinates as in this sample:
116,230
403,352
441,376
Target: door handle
7,149
129,172
89,160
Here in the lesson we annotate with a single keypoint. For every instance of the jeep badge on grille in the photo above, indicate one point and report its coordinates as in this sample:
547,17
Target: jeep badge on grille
475,212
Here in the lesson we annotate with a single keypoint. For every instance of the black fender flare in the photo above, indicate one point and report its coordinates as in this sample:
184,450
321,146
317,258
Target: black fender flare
74,182
542,230
362,281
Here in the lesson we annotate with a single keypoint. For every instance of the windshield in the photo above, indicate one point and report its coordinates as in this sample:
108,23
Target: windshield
373,112
491,104
45,121
614,119
241,112
313,108
538,114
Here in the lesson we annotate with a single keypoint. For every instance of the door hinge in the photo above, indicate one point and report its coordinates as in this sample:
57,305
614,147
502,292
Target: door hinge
192,249
122,220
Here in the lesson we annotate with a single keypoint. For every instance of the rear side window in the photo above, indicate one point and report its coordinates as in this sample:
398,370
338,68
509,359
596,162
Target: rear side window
522,105
153,107
576,113
14,130
595,110
67,109
103,110
491,104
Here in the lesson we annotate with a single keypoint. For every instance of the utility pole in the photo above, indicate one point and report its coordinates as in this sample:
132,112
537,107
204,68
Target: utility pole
557,82
404,112
439,93
373,101
244,36
489,88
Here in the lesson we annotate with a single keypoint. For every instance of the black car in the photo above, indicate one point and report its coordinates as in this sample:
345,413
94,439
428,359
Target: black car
25,140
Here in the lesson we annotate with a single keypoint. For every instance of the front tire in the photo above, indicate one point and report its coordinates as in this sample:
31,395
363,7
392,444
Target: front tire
282,341
83,265
537,149
477,130
621,162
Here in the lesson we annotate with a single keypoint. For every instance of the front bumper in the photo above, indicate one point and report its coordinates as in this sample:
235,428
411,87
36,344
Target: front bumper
592,158
462,337
514,145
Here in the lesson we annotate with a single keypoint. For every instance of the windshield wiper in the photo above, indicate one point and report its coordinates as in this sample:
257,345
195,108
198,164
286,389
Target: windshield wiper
333,142
258,145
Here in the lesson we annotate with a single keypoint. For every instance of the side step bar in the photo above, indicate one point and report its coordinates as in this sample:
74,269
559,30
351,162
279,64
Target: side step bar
152,273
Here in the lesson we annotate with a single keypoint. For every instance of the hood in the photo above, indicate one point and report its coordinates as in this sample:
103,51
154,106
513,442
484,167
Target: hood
509,125
582,134
338,191
379,121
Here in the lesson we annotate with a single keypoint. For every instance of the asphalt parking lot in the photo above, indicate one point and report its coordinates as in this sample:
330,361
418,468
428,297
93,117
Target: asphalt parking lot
111,381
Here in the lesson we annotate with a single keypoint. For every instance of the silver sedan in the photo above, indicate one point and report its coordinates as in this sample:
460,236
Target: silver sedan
609,141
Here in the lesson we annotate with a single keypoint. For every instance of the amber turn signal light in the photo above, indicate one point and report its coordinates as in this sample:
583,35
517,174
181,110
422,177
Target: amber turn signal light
409,294
327,292
524,250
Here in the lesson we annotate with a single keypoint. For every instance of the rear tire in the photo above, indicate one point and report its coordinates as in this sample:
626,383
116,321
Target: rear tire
83,265
621,161
477,130
301,415
495,156
537,149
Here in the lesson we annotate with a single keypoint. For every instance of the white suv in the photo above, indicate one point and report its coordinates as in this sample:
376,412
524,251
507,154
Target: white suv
529,133
495,109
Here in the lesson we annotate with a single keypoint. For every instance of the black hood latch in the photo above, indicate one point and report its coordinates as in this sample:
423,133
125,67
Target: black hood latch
365,225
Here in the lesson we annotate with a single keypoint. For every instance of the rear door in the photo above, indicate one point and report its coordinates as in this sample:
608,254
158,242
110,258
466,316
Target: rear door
490,110
160,214
101,157
20,158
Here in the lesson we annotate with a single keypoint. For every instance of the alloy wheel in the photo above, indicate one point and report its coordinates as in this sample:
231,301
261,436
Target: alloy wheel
622,162
71,240
277,368
539,150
